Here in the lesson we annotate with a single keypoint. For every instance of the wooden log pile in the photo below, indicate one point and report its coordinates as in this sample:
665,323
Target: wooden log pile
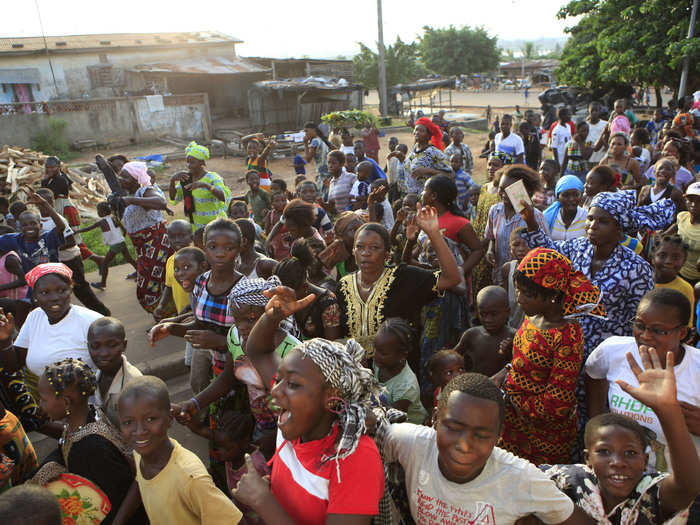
23,167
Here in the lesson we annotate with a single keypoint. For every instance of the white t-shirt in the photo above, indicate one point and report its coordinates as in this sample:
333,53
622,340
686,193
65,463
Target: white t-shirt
388,218
560,136
609,361
47,343
507,488
512,144
65,254
594,133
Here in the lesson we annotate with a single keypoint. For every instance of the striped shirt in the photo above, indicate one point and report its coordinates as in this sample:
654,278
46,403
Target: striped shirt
577,228
206,206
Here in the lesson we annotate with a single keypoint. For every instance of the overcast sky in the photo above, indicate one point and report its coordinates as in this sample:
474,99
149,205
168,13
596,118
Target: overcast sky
286,28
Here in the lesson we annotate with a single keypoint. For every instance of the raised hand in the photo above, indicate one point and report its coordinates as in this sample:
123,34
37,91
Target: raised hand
38,200
528,215
427,219
283,302
252,489
657,385
412,229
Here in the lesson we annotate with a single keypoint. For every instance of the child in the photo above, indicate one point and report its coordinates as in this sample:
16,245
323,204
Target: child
299,163
615,486
596,128
560,133
308,192
639,142
279,185
509,143
688,227
487,347
547,357
257,198
655,125
16,209
350,163
462,180
576,153
89,447
106,340
441,368
257,160
663,188
250,262
279,201
377,200
12,283
391,345
519,249
180,235
458,147
174,484
669,257
456,474
112,237
683,121
30,505
17,457
472,202
360,189
549,171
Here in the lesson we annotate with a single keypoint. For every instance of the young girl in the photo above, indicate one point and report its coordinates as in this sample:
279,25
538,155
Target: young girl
577,153
548,180
89,446
391,344
539,383
324,464
441,368
258,152
519,249
663,188
614,486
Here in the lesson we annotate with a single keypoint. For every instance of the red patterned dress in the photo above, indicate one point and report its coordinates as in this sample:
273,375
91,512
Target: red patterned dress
540,423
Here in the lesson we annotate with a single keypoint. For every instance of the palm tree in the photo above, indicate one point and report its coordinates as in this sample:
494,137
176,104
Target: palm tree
529,50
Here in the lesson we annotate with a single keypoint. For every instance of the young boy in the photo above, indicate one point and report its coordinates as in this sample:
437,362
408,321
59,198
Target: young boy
472,201
508,142
29,505
180,235
462,180
360,188
456,474
106,341
489,346
560,134
175,486
596,127
112,237
668,259
459,147
655,125
257,199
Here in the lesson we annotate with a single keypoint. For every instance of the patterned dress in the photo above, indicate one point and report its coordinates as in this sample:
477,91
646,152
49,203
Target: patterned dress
540,423
428,157
482,274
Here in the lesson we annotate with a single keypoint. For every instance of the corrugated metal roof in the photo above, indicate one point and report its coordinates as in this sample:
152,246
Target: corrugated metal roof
304,84
112,41
539,63
202,66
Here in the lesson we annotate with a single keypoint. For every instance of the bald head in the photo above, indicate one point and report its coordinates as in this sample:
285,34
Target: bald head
492,296
146,387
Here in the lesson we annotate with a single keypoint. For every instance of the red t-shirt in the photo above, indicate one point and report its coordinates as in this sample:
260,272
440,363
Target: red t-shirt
450,224
309,490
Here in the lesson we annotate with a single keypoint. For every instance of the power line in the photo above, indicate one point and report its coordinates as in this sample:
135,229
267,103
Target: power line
46,46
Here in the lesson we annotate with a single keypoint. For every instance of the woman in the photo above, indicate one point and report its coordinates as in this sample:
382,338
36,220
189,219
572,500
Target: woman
143,221
376,292
321,318
661,324
623,162
54,331
426,158
565,217
503,219
481,275
316,148
622,276
204,192
681,152
540,422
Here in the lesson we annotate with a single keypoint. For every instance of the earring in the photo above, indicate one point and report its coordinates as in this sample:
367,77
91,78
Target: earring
67,412
334,404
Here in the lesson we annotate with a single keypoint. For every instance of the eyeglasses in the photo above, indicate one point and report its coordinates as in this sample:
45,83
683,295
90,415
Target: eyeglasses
661,332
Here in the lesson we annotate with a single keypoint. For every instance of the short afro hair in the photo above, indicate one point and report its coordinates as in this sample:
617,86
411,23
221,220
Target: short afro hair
477,385
645,435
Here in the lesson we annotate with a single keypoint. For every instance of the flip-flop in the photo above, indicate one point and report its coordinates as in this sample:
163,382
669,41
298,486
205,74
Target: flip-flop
131,276
98,286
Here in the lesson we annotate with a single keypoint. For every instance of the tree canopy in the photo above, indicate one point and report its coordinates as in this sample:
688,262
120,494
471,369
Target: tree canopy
402,64
627,41
456,51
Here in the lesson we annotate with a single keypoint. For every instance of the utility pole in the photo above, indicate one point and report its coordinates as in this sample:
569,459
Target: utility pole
383,110
686,60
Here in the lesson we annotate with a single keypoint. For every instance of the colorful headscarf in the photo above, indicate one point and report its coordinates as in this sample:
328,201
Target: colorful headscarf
36,273
197,151
503,156
434,131
622,205
139,171
567,182
553,271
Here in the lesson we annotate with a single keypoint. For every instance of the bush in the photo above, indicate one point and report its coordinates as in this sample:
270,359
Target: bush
53,141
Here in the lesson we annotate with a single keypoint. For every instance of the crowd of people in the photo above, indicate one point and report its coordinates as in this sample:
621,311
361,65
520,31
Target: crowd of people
384,341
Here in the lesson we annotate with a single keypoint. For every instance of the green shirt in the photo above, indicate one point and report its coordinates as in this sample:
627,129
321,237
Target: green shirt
404,385
259,201
206,206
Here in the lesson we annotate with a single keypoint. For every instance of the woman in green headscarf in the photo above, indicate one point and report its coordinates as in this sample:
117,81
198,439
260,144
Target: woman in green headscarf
204,193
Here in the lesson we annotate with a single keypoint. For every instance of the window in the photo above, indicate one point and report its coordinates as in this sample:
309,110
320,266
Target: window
101,76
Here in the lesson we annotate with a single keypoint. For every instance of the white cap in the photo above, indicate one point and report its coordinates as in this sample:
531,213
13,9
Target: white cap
693,189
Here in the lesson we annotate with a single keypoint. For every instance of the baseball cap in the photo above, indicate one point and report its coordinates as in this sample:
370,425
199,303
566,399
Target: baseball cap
693,189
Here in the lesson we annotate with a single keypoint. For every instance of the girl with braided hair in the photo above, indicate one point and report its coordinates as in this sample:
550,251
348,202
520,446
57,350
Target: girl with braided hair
325,469
89,446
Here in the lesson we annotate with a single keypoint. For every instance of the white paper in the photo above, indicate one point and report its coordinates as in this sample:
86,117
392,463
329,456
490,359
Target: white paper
516,192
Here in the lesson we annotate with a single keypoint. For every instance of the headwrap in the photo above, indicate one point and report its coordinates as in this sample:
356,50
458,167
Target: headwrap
434,131
250,291
503,156
198,152
36,273
622,205
139,171
567,182
553,271
356,385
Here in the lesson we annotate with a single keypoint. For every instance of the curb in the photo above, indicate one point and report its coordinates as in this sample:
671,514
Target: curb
165,367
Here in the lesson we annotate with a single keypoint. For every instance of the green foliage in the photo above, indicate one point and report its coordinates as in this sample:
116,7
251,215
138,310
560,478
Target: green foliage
53,141
530,51
351,118
402,65
456,51
628,41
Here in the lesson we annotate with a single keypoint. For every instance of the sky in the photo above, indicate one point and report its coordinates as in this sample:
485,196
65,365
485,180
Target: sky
285,28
